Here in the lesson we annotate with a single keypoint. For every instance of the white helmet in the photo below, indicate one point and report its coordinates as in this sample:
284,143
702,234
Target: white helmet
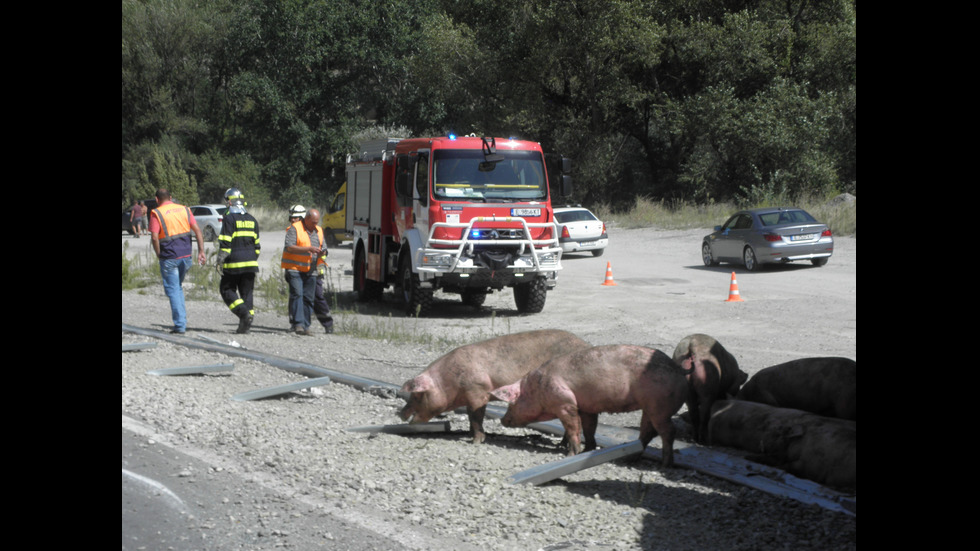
297,211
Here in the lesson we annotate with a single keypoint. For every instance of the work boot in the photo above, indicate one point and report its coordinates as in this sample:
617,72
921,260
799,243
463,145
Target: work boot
244,324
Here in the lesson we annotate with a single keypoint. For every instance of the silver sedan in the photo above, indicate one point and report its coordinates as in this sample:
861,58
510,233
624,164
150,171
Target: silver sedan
760,236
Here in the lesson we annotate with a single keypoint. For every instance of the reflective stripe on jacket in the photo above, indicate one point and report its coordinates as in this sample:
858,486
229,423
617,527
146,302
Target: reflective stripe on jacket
301,262
175,230
239,238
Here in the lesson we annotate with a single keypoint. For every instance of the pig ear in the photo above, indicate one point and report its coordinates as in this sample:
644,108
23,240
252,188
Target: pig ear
420,383
508,393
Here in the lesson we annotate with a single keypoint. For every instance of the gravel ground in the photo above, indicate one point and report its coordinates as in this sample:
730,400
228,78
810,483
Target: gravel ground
424,491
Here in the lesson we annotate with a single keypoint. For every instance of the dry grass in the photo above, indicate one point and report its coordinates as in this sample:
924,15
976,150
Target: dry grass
840,215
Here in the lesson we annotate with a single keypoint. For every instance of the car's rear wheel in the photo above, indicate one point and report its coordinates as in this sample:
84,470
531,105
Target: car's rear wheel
706,256
598,252
819,261
748,258
209,234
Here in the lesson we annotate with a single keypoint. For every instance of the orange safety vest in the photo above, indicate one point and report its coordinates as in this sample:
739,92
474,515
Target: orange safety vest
175,230
300,262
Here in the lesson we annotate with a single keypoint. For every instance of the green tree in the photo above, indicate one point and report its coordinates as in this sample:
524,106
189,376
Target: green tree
151,167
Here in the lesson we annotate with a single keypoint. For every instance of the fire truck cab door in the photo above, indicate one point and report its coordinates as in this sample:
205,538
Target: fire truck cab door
420,195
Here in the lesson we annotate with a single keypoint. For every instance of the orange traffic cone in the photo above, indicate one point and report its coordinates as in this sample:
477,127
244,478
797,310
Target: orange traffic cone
609,278
733,295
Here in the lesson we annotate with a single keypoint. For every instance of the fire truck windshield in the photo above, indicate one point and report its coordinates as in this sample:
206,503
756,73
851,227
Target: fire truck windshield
457,175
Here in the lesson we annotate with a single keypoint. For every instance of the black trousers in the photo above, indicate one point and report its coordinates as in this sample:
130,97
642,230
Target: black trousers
320,306
236,290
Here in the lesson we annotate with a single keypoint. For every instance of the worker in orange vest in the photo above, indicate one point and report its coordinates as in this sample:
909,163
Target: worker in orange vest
303,247
321,308
172,227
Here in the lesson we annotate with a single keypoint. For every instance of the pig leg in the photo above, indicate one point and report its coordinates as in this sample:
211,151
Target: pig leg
665,427
650,427
573,428
476,423
590,421
705,414
694,411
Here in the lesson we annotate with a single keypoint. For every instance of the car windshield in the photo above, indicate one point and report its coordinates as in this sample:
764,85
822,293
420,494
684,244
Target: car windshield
786,217
574,216
222,210
457,174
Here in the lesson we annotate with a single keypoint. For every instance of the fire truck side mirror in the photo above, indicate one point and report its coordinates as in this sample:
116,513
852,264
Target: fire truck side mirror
566,179
566,185
403,178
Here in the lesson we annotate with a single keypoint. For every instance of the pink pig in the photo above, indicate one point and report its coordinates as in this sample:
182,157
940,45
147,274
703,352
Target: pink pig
466,375
576,387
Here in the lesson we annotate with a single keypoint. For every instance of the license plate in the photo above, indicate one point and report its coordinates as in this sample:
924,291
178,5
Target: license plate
588,243
802,237
525,212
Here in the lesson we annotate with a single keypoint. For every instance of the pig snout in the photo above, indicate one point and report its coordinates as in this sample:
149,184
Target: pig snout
407,413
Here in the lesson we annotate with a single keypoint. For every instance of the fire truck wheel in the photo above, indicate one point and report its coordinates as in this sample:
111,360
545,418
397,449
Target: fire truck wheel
365,288
418,301
474,298
530,296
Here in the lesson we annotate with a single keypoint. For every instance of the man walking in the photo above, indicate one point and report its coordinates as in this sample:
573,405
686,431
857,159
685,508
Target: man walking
238,258
303,247
172,226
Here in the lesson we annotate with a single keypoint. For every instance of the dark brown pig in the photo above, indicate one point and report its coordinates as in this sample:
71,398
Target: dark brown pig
825,386
818,448
713,374
578,386
466,375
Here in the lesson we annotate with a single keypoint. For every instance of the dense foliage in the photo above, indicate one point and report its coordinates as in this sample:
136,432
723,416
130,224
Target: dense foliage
698,100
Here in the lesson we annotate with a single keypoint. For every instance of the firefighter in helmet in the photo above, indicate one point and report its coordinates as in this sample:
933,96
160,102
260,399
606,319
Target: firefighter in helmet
238,258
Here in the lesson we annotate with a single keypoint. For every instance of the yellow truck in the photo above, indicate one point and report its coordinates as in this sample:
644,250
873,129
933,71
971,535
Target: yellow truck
334,221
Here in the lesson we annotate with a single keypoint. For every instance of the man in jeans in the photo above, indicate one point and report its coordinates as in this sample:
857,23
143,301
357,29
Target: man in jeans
171,229
303,246
320,306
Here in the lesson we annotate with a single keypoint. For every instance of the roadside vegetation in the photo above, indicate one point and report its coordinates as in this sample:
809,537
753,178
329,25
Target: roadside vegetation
839,212
680,102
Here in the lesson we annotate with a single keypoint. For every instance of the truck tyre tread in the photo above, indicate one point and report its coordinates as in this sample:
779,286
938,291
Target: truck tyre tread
530,296
365,288
418,301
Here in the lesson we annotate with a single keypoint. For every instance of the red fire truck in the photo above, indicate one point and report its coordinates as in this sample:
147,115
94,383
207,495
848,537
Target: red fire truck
466,215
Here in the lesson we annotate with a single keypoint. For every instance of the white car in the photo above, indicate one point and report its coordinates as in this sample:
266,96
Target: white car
580,231
209,219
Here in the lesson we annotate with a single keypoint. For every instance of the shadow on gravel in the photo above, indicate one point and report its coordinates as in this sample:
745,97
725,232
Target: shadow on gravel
444,306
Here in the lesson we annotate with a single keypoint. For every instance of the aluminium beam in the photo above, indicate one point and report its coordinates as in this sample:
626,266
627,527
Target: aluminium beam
282,389
192,370
405,428
133,347
557,469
